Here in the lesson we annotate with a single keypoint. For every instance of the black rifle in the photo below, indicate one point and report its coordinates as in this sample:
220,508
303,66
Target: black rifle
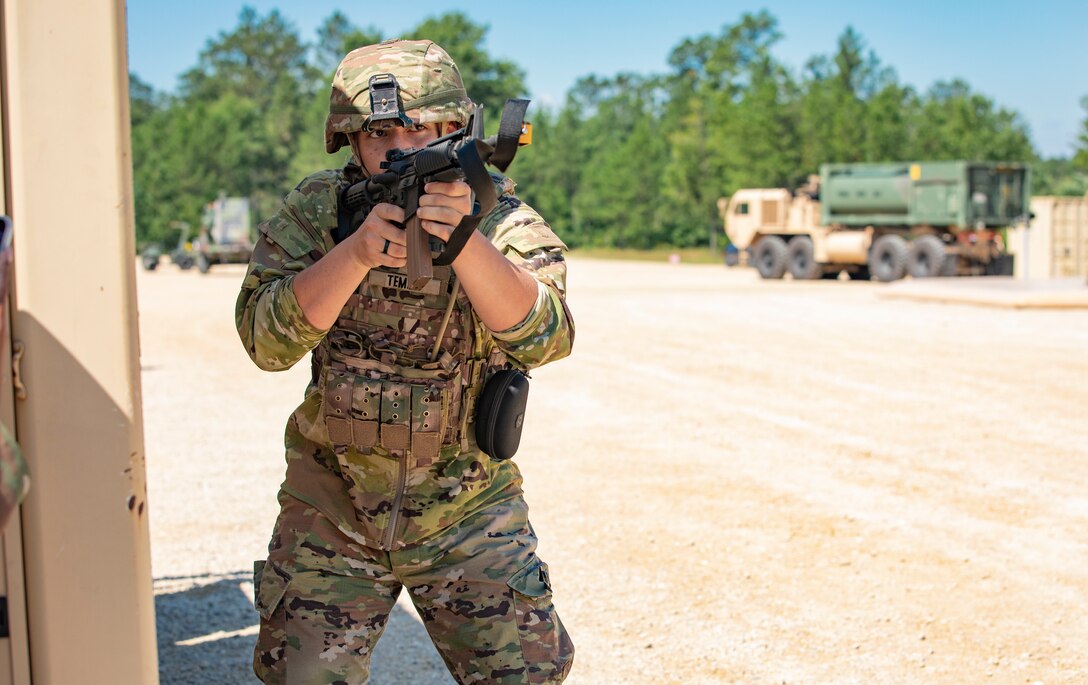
460,155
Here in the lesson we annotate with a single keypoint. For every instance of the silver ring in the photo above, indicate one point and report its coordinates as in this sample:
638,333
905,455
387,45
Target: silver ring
385,248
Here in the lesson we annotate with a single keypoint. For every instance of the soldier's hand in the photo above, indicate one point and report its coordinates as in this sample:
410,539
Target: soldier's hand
379,242
442,206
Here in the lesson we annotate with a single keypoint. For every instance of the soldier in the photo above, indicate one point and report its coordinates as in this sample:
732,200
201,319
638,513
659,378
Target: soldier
385,485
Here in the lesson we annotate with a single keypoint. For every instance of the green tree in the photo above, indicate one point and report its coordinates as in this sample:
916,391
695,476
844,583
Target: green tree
1080,157
263,59
956,123
184,157
852,108
488,80
336,37
616,202
1058,176
629,160
731,122
265,62
143,100
548,171
234,128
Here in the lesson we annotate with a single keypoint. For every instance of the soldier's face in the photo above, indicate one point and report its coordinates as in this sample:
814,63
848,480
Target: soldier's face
374,144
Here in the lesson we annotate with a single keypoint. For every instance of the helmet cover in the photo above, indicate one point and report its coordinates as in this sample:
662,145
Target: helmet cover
430,85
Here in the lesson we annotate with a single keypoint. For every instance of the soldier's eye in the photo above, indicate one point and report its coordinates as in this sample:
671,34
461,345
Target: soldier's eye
377,133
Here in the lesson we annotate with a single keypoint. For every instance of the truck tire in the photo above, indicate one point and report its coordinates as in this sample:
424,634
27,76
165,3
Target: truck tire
801,259
888,258
203,264
150,263
770,257
925,259
950,266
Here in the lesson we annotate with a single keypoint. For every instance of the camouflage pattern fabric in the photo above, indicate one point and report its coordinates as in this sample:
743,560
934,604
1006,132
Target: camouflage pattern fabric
382,474
481,591
14,478
430,87
386,497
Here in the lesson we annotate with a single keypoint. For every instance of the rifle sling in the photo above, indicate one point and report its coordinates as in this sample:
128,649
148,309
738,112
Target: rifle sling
472,163
513,119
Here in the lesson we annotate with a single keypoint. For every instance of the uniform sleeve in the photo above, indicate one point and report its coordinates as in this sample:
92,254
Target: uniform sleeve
547,331
270,322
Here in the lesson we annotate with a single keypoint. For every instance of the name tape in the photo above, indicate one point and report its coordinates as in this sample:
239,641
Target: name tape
384,279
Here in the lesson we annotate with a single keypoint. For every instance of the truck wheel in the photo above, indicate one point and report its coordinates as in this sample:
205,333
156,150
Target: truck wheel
925,259
202,263
185,263
150,263
770,256
888,258
950,266
801,261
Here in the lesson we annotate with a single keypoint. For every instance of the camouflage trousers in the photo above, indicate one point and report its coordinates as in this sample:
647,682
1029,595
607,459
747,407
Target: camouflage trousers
481,591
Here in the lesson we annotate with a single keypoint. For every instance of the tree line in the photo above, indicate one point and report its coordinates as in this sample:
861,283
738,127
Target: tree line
630,160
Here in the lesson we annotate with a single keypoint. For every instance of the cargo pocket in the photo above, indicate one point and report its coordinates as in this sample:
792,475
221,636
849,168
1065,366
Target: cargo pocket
545,646
270,586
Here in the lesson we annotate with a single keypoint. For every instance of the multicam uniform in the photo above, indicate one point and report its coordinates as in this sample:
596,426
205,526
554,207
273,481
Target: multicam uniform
385,485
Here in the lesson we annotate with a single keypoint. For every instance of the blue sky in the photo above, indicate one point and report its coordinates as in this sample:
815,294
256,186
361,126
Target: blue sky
1030,57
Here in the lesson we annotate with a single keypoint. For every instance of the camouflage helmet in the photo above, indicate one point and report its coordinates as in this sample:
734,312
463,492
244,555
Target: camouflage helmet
431,88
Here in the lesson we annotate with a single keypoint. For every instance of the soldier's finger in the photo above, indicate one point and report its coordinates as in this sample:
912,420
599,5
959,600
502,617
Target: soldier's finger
395,262
388,212
438,230
462,203
448,188
386,252
444,215
390,248
387,231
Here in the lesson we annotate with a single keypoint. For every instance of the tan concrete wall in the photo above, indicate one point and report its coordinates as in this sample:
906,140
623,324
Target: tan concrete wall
15,650
69,192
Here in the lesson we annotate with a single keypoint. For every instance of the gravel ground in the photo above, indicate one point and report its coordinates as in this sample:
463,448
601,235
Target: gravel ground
734,481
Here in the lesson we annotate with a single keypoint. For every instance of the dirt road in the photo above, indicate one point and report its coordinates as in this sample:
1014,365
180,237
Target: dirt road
734,481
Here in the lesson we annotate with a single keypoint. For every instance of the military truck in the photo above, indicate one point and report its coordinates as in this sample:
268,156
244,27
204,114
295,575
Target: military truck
224,234
181,255
883,221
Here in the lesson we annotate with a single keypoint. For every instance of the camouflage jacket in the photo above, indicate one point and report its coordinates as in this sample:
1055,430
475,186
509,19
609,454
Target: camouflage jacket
364,465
